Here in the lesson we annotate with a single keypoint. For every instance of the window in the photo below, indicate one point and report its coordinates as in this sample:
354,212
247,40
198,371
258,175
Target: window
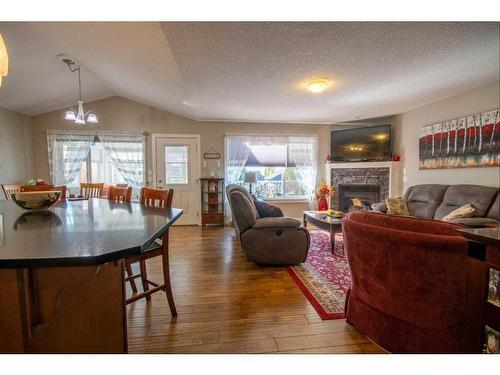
107,157
98,167
276,174
176,165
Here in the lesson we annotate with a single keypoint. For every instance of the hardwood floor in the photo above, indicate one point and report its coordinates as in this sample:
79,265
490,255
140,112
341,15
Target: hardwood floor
228,305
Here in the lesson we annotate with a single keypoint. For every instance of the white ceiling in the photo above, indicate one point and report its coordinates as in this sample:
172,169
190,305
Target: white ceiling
250,71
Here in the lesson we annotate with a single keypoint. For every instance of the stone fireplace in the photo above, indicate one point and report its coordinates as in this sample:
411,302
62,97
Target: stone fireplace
369,182
366,193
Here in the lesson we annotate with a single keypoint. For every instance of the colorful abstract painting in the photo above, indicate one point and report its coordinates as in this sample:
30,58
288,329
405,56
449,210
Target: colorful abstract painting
467,142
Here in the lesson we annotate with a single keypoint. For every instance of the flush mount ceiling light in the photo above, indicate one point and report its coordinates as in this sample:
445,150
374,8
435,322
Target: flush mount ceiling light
4,60
317,86
79,116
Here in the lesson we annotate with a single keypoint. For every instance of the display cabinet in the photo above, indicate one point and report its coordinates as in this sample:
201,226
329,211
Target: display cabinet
212,201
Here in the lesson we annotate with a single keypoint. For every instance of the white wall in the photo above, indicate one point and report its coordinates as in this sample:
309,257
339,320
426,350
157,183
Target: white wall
408,126
16,148
117,113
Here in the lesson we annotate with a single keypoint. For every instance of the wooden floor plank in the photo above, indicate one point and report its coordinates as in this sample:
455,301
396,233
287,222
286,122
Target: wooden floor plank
321,340
229,305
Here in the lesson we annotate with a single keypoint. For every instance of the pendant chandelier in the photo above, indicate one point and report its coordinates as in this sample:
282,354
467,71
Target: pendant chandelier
4,60
79,116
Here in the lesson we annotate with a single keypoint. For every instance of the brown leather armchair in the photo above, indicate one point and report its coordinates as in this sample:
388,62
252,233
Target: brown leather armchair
270,240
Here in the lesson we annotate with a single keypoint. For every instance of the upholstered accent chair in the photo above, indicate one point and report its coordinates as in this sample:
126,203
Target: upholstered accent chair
408,282
266,240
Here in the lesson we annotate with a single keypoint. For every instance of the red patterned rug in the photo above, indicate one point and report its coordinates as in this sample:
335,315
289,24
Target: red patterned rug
324,278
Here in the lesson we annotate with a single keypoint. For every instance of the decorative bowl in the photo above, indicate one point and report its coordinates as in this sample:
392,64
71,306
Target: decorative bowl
36,200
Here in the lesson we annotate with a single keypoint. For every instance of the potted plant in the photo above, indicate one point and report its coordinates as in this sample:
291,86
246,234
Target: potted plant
322,193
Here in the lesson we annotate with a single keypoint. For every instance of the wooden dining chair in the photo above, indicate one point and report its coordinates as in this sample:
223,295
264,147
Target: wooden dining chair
122,185
62,188
8,190
120,194
91,190
153,198
30,188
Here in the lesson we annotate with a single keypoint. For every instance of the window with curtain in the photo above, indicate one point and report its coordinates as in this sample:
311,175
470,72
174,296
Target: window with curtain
108,157
284,167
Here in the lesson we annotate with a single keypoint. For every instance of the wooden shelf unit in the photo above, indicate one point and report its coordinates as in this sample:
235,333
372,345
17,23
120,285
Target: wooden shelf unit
212,201
484,256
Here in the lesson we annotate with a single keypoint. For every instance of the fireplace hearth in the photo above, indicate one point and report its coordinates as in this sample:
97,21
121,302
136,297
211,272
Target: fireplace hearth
366,193
369,182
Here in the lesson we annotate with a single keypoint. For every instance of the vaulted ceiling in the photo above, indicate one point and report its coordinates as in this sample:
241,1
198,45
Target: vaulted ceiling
250,71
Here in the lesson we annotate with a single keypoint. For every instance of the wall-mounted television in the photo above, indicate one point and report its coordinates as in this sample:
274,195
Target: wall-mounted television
371,143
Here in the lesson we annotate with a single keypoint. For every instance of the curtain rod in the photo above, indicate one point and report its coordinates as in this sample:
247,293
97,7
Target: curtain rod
271,135
94,131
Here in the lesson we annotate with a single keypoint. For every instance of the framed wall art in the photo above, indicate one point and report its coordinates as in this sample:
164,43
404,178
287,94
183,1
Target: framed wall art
467,142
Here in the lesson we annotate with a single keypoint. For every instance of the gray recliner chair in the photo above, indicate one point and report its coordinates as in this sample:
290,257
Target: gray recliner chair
269,240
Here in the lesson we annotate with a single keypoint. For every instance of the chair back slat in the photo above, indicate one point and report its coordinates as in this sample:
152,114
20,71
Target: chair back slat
120,194
8,190
63,189
157,198
91,190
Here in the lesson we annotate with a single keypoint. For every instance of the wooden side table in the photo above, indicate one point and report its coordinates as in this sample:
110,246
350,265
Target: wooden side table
483,289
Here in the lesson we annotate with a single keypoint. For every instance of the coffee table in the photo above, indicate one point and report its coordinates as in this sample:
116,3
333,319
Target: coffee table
324,222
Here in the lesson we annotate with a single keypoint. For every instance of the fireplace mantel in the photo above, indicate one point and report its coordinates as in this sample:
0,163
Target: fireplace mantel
395,177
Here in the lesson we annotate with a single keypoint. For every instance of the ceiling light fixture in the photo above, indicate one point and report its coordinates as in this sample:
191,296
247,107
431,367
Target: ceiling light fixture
318,85
4,60
79,116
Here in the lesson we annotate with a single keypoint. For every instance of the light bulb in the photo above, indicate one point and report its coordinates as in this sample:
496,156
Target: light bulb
4,60
318,85
91,117
70,115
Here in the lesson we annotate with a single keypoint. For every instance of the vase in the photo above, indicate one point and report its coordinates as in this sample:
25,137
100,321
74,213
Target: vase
322,204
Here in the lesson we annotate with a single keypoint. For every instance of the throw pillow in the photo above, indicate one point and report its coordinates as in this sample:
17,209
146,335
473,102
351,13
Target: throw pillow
267,210
396,206
460,213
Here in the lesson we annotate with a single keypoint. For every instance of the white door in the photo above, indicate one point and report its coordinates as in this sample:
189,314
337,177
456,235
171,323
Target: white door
177,167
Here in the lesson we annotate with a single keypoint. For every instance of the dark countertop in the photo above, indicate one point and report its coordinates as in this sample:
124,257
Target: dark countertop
84,232
488,236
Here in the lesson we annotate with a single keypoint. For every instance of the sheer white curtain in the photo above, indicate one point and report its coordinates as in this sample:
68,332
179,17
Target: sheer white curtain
68,151
303,154
126,152
236,152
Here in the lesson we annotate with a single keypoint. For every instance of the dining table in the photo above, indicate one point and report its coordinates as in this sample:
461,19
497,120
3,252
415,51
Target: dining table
62,285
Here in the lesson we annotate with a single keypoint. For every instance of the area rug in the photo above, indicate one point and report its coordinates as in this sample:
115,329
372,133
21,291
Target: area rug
324,278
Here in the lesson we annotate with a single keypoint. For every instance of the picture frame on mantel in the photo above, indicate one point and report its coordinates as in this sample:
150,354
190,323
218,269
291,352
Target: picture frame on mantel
471,141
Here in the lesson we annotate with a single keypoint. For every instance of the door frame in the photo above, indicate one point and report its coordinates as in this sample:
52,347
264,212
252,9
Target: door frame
196,169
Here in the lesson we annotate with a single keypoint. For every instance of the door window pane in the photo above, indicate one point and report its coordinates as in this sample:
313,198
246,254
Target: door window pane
176,165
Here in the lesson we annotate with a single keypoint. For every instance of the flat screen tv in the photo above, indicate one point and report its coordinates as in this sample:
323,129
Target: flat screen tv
362,144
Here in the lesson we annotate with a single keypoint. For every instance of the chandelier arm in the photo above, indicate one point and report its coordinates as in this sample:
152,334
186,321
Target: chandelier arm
79,85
